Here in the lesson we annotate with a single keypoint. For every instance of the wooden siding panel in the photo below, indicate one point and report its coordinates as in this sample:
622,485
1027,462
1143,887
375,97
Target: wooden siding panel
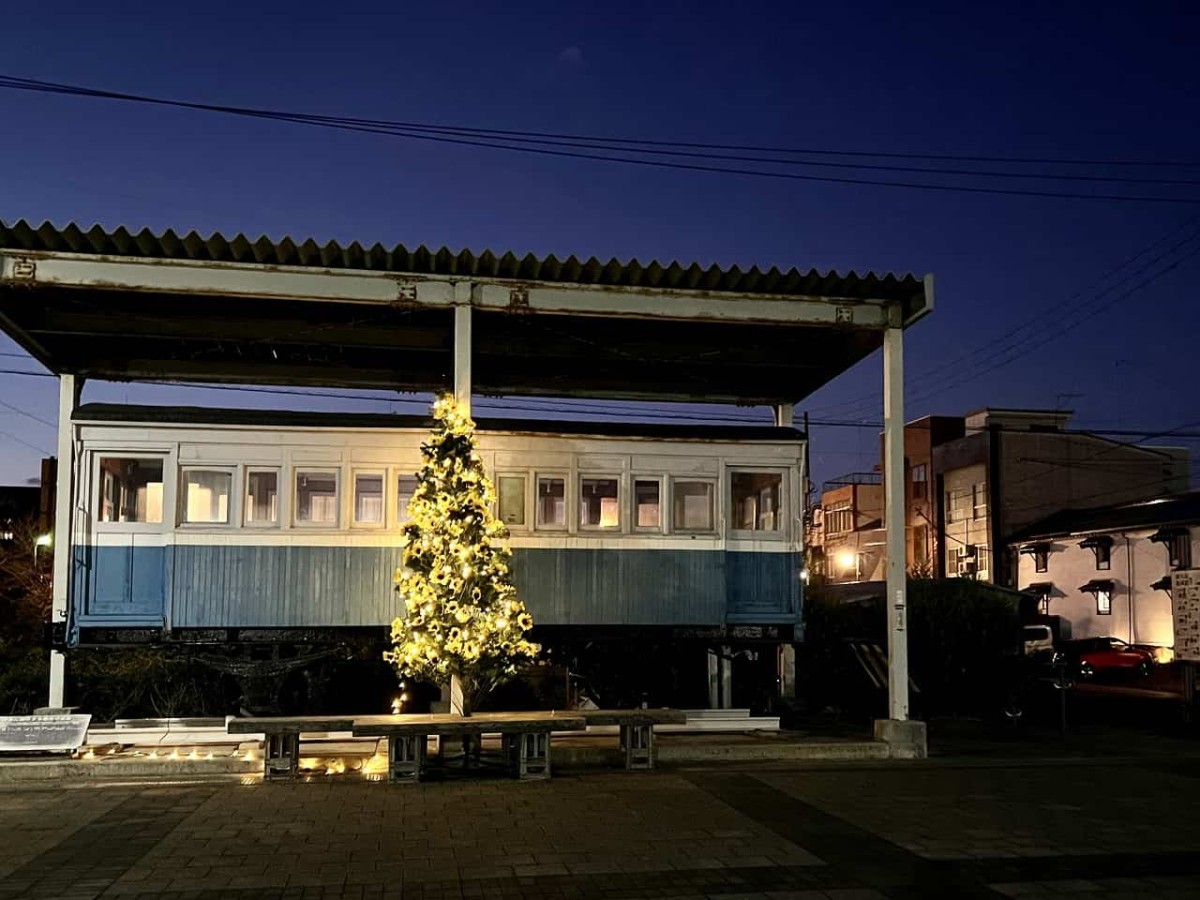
763,586
620,587
296,586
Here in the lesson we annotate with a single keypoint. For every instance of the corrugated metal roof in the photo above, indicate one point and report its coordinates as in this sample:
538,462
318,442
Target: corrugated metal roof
425,261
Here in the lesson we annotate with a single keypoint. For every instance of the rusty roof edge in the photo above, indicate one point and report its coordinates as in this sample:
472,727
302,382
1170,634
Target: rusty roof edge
671,277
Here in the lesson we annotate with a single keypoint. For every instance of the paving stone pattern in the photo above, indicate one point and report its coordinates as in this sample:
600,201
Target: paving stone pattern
860,832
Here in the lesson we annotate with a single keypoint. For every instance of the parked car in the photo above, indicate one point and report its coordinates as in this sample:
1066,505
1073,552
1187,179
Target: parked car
1038,639
1094,656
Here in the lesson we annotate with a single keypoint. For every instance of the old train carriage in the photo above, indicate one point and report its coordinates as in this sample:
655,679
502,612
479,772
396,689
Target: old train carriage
190,522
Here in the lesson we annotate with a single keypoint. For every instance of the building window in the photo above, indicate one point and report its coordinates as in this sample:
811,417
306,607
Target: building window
406,486
692,505
511,489
368,498
316,498
979,502
1040,554
920,482
1101,548
958,506
647,502
206,496
262,497
1102,591
756,497
551,502
1178,542
1180,549
839,519
599,502
131,490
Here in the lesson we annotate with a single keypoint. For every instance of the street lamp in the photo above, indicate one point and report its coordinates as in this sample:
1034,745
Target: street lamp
42,540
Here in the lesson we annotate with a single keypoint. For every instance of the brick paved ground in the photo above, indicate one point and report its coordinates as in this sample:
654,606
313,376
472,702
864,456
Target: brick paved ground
1084,828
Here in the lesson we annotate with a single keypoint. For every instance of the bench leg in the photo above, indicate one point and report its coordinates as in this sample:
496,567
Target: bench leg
528,754
281,757
406,758
637,741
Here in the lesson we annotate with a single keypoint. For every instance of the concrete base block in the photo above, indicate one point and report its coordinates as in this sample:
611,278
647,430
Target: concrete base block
905,738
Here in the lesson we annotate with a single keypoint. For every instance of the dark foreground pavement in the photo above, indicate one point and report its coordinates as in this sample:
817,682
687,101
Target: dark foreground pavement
966,827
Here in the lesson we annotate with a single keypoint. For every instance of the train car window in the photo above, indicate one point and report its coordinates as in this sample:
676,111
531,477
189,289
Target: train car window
692,505
131,490
756,498
599,502
206,496
316,497
511,489
551,501
406,486
647,504
368,498
262,497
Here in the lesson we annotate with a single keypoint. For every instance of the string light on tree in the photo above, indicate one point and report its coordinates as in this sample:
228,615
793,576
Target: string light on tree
462,620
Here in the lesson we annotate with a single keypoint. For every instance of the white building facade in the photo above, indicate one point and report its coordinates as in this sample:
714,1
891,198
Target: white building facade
1107,571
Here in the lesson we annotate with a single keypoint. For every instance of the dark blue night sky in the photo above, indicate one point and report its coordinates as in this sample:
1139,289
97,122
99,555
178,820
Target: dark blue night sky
1087,80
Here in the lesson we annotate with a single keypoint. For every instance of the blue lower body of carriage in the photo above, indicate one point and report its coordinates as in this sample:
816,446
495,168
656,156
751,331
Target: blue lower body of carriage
222,586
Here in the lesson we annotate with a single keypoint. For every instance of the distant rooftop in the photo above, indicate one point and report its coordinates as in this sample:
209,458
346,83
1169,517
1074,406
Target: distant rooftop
1020,419
1176,509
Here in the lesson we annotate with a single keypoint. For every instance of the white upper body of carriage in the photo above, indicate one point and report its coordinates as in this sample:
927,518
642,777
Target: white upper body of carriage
205,525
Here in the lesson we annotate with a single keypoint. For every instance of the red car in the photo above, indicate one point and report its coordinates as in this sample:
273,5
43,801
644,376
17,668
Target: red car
1107,654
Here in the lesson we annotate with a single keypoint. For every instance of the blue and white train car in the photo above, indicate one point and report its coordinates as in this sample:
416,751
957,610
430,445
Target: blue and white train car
203,525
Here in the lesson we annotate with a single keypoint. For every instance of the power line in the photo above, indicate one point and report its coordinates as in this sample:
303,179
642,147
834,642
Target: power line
19,440
548,148
27,415
1037,321
54,87
1056,330
30,374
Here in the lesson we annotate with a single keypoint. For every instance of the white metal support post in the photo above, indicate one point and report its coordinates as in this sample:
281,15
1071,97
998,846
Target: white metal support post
462,345
68,397
903,737
462,395
893,499
785,415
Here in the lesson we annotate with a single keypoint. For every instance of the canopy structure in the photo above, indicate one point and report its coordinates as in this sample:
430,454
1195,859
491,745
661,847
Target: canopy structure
116,305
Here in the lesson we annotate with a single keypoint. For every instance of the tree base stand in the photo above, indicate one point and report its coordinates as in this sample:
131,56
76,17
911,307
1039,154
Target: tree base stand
406,758
528,754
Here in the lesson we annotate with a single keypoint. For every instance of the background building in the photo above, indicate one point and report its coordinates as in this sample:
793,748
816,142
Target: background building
848,539
1014,467
1107,571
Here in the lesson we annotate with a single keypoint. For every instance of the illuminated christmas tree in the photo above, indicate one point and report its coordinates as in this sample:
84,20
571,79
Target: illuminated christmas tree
463,622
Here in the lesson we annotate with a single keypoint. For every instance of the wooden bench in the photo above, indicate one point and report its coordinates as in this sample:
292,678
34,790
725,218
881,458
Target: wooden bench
526,738
281,744
637,730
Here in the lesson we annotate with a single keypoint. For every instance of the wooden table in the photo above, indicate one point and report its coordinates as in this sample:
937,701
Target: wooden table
281,744
525,735
637,730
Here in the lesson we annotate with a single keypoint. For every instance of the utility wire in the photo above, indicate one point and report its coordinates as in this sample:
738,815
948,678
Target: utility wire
31,84
1055,329
1038,321
547,148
